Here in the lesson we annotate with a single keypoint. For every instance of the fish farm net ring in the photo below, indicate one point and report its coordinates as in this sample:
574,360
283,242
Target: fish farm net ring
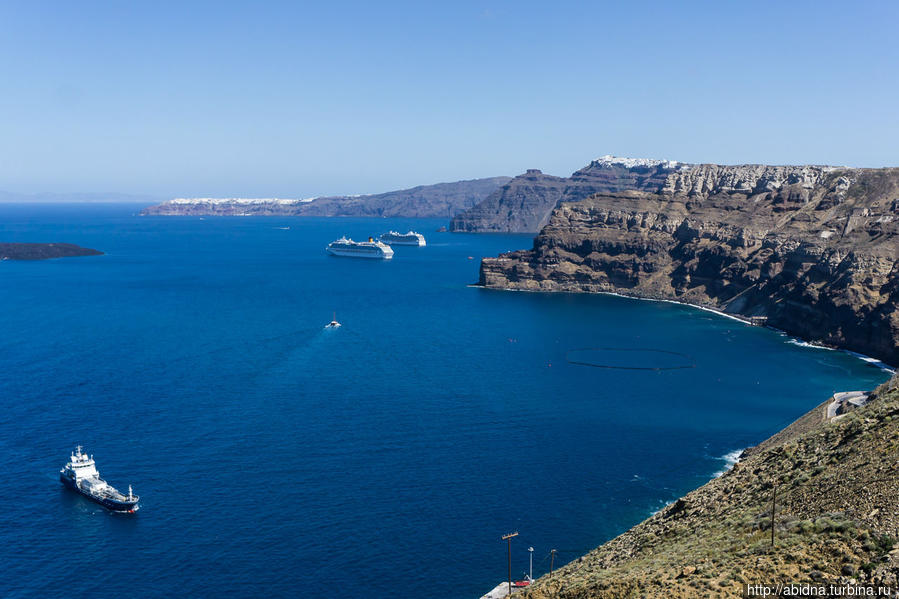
629,358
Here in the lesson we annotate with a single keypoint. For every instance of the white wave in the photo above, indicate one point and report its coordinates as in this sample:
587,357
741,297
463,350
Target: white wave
862,357
729,459
669,301
801,343
871,360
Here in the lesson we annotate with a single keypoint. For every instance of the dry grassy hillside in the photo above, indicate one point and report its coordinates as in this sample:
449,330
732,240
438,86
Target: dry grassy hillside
836,519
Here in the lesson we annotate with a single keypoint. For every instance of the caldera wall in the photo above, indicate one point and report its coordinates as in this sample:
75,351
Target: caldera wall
814,249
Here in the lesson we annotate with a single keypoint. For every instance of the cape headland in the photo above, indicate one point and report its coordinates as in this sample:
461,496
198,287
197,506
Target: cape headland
813,250
43,251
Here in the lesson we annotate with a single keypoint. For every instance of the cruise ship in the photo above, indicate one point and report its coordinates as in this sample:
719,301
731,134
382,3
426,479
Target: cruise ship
81,475
360,249
410,238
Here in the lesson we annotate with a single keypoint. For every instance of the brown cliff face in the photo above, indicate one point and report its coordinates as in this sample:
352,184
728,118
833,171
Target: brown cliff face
522,205
814,249
525,203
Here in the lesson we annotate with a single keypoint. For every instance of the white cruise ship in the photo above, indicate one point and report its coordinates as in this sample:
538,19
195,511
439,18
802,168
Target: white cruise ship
410,238
360,249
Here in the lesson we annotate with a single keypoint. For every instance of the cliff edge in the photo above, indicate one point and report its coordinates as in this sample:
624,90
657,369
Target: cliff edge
813,249
524,204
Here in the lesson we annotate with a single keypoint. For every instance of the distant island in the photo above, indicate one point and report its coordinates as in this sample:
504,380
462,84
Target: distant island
442,200
43,251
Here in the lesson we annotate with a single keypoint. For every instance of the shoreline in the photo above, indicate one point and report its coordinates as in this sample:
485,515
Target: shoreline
739,318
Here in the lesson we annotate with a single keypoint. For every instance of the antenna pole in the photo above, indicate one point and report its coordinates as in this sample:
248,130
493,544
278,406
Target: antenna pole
552,558
508,539
773,506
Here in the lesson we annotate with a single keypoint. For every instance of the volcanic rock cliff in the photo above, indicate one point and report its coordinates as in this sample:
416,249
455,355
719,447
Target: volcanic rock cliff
525,203
814,249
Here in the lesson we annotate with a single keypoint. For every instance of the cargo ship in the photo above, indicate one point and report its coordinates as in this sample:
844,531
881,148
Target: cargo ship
80,474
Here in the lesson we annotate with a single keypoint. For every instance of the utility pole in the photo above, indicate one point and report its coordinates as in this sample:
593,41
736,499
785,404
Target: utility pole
508,539
531,551
773,507
552,558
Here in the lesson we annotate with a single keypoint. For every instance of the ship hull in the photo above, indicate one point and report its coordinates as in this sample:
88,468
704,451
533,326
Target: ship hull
110,504
352,254
393,242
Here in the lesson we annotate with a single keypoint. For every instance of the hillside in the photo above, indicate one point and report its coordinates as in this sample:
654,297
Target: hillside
442,200
836,519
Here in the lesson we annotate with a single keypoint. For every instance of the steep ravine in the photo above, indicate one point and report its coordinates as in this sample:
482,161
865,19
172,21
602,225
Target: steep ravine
813,249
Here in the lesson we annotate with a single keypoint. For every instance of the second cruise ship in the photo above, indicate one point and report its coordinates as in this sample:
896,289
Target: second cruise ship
360,249
410,238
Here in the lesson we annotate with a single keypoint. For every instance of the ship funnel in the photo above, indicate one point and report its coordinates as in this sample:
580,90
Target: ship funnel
130,495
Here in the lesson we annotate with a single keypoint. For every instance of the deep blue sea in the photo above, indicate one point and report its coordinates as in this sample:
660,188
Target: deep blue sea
278,459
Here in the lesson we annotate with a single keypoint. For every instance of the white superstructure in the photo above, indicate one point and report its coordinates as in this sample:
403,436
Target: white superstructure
410,238
81,466
80,473
360,249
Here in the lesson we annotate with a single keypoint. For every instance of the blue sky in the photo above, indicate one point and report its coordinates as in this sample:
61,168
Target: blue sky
296,100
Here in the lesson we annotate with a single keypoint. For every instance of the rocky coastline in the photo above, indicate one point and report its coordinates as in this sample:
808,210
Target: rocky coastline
813,250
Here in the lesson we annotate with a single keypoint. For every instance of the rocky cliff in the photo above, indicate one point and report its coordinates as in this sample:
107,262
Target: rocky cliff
442,200
831,486
524,204
814,249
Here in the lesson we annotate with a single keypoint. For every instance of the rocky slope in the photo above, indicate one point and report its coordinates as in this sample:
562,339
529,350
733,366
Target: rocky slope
836,519
43,251
524,204
442,200
813,249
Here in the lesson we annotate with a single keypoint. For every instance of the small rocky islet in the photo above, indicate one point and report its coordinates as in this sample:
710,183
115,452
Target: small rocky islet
43,251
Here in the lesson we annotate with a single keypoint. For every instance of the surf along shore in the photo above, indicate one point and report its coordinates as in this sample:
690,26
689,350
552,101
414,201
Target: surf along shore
831,484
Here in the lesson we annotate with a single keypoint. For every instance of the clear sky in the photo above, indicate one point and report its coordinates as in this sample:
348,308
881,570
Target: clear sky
295,100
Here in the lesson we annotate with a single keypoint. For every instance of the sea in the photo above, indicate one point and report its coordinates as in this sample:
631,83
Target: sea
386,458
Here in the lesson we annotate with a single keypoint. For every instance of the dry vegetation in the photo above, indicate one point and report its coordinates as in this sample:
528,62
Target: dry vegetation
836,519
